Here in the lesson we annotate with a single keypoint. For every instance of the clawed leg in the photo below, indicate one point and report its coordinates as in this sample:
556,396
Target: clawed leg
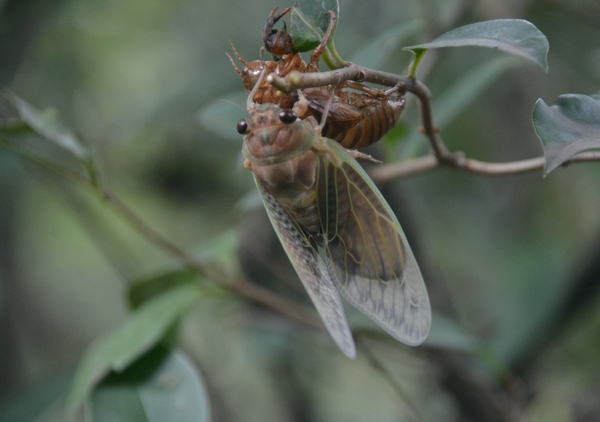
301,105
277,42
357,154
375,93
316,54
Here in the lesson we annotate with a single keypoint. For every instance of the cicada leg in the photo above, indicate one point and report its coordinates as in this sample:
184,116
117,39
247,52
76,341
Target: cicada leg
375,93
276,42
316,54
321,125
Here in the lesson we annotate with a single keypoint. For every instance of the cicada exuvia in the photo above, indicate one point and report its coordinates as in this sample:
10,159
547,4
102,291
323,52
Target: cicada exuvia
356,119
318,197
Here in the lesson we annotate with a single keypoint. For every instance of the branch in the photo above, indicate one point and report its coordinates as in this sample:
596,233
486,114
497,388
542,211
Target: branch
388,172
241,287
296,80
352,72
441,157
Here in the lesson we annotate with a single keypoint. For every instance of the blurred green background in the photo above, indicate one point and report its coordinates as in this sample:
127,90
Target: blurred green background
512,263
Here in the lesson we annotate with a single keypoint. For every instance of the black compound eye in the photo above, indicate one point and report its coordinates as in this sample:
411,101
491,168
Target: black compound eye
242,127
287,116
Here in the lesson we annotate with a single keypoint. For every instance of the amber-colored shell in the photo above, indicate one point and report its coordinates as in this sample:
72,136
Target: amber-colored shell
355,119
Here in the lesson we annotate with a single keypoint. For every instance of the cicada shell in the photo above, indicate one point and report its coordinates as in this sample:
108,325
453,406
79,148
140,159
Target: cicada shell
267,93
281,45
318,197
356,119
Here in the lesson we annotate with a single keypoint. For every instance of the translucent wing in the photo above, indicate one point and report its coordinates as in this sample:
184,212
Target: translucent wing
369,258
313,273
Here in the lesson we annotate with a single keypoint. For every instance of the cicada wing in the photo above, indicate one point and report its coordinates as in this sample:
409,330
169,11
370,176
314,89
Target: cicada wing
312,272
369,258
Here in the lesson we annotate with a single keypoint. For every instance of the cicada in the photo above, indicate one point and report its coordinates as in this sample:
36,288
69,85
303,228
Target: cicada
319,198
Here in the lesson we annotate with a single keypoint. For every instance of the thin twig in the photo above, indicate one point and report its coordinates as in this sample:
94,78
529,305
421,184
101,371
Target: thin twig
441,157
243,287
352,72
388,172
276,302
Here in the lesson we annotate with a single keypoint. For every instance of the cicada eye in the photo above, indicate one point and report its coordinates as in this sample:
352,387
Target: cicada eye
242,127
287,116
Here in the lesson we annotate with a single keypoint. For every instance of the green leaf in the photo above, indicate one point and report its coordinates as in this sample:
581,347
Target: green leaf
144,329
309,22
570,126
45,125
13,126
221,116
379,49
144,289
515,36
157,388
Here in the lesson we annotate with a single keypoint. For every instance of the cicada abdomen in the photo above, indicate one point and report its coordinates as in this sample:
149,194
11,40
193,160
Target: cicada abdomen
356,119
318,197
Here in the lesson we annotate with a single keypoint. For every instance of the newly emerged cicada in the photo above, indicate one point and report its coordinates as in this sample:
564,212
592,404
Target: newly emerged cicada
319,198
356,118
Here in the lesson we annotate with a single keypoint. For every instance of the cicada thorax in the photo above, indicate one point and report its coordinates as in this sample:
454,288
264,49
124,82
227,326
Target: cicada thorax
266,93
279,151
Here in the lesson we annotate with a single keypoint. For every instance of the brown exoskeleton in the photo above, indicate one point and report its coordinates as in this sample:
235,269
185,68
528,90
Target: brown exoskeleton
356,119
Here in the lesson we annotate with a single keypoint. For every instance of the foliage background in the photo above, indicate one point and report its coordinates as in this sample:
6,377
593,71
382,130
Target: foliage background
512,263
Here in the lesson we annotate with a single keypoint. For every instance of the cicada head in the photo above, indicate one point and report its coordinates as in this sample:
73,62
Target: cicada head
273,135
251,71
